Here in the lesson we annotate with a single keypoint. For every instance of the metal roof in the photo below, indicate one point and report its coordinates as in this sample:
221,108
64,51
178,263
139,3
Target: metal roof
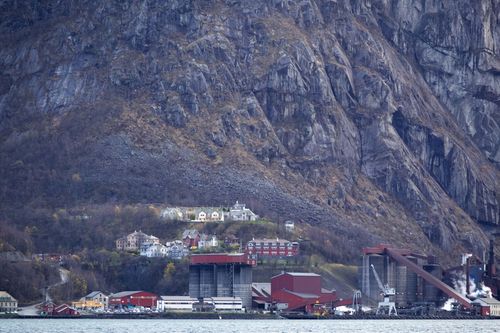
219,258
301,295
297,274
220,299
6,294
178,298
301,274
94,293
125,293
488,301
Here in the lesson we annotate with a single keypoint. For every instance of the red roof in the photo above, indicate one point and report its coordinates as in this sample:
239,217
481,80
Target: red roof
219,258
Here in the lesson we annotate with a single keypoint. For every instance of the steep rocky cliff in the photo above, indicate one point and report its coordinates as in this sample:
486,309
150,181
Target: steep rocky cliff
375,121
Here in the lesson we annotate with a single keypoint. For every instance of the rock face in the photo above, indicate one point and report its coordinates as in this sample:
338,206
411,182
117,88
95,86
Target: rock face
374,121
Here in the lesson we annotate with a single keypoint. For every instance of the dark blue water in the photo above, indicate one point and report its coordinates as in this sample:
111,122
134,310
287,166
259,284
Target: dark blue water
237,326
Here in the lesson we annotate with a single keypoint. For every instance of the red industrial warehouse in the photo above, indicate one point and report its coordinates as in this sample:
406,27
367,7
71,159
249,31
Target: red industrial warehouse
301,291
133,298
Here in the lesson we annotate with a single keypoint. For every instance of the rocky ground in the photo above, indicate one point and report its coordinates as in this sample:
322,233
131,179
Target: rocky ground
372,121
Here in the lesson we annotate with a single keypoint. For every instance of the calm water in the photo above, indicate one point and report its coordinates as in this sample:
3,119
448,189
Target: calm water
237,326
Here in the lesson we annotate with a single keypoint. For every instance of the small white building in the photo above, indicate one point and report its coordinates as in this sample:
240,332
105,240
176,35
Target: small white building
172,213
225,304
289,226
175,303
206,242
240,213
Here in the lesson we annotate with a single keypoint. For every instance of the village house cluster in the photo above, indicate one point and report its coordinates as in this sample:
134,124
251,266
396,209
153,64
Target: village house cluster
238,212
151,247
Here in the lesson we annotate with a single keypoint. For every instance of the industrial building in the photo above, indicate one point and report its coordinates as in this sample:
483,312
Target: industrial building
8,303
416,278
300,292
261,295
225,304
221,275
133,299
489,306
491,278
175,303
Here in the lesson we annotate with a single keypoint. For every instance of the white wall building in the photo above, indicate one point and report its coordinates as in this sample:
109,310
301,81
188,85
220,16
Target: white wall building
492,303
8,304
206,242
175,303
289,226
96,296
225,304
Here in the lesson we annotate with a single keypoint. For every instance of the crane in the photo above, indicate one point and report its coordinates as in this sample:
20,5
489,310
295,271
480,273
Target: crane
386,306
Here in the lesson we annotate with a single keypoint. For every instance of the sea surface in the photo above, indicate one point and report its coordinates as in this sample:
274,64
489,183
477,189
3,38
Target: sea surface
237,326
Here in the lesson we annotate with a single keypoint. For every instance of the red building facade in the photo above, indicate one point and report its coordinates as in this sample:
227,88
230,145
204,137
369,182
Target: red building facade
300,291
272,248
132,299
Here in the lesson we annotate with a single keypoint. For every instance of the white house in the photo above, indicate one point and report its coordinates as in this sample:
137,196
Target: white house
289,226
176,250
175,303
153,250
172,213
225,304
208,241
240,213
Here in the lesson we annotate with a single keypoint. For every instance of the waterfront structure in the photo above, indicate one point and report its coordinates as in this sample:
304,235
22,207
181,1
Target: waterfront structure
293,291
225,304
221,275
175,303
95,299
261,295
8,304
272,248
132,299
416,277
51,309
134,241
489,306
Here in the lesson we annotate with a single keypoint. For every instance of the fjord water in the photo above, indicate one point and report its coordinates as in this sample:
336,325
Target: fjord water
243,326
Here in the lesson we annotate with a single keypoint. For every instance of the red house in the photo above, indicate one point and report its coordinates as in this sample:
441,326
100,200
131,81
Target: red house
132,299
300,291
50,309
191,237
65,310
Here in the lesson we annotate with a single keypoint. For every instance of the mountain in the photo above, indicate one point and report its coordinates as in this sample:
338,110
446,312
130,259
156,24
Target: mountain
371,121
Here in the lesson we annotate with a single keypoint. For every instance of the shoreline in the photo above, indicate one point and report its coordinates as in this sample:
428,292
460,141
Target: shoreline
247,316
